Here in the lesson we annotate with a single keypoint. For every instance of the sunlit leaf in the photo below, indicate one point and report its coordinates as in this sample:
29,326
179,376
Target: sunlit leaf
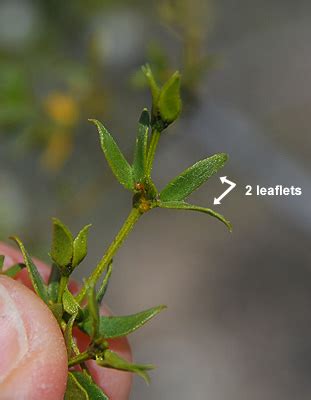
181,205
112,327
80,246
35,277
120,167
192,178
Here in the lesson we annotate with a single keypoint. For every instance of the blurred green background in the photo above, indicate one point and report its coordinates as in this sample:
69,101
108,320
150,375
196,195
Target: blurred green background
238,324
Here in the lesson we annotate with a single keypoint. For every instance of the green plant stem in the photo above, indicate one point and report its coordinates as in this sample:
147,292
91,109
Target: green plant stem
62,285
82,357
155,136
111,251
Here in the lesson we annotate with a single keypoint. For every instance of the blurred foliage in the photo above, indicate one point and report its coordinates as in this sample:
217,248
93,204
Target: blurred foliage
61,63
189,21
48,83
53,63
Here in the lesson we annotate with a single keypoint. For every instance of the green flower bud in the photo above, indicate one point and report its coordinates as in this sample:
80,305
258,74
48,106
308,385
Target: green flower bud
166,101
169,103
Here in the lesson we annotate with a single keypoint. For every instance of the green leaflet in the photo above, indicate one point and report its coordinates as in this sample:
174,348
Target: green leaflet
1,262
103,287
139,163
35,277
80,246
14,270
181,205
62,246
68,334
113,327
169,103
57,310
93,312
112,360
192,178
155,90
55,274
53,291
80,386
120,167
71,306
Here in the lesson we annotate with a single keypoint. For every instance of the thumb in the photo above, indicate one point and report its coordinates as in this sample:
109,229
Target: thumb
33,362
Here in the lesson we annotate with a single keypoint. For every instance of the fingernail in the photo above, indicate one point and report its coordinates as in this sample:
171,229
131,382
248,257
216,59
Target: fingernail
13,337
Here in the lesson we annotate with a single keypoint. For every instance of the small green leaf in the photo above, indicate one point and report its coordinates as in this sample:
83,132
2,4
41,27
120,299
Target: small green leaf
80,246
192,178
169,103
181,205
155,90
113,327
71,306
112,360
1,262
74,390
53,283
53,291
117,162
35,277
55,274
57,310
62,246
139,163
68,334
93,310
80,386
103,287
14,270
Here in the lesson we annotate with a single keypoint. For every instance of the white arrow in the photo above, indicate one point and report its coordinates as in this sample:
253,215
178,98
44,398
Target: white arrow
227,191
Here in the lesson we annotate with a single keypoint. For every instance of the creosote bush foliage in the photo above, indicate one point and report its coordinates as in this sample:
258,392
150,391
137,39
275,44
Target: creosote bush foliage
81,310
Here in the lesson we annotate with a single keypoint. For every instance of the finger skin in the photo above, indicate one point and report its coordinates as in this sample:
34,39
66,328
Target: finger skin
116,384
33,351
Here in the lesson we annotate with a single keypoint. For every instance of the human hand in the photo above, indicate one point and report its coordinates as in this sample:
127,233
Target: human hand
33,361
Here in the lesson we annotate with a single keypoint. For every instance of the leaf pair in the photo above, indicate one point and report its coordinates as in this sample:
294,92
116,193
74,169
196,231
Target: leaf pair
174,194
67,252
126,174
